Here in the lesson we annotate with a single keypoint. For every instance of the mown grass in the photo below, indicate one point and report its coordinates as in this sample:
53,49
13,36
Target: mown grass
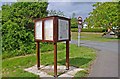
79,57
92,37
82,73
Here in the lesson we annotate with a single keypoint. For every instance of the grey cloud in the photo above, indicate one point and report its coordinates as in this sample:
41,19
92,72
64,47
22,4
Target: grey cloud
79,8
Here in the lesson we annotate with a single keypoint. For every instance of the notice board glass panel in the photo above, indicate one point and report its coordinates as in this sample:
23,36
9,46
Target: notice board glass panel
63,29
38,30
48,29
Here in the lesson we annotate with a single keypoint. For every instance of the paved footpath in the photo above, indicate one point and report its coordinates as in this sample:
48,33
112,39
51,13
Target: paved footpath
106,64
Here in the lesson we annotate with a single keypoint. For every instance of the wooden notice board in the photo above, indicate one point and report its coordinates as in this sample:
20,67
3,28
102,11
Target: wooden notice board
52,29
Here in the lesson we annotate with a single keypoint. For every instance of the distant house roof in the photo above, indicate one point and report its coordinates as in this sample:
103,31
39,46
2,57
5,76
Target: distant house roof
85,25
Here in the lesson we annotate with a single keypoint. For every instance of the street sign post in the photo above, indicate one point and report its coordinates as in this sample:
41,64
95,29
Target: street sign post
52,29
79,29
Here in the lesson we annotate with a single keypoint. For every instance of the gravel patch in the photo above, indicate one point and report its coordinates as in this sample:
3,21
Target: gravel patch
48,71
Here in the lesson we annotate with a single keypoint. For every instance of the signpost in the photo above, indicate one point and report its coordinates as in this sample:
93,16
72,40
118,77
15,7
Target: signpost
79,29
52,29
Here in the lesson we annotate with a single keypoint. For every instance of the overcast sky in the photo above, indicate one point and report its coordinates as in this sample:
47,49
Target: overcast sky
63,0
79,7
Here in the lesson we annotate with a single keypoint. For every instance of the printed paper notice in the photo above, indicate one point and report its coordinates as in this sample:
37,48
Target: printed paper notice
63,28
38,30
48,29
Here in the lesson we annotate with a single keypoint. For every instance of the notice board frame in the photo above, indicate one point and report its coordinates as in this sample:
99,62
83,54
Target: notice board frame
55,28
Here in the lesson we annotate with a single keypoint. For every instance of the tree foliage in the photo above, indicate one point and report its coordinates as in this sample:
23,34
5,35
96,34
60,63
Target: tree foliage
54,12
17,29
104,15
74,21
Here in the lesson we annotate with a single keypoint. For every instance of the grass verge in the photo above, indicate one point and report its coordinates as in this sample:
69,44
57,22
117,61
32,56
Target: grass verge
92,37
79,57
82,73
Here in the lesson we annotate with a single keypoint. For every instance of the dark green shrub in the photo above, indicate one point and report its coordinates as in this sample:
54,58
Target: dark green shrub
18,27
93,30
16,40
74,29
88,30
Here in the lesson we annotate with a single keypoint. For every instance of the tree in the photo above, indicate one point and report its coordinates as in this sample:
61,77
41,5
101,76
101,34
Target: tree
54,13
74,22
18,26
104,15
23,13
115,0
73,15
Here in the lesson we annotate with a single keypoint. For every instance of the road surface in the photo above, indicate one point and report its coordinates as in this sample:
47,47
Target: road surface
106,64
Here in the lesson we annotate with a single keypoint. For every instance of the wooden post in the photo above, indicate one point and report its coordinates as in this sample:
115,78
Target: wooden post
67,55
55,59
38,54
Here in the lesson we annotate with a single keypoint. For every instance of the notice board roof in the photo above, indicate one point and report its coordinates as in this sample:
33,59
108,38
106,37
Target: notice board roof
60,17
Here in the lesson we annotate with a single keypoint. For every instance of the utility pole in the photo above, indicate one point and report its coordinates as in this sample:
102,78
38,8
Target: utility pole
79,29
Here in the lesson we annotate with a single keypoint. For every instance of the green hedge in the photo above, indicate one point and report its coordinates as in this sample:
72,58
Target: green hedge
44,48
88,30
18,27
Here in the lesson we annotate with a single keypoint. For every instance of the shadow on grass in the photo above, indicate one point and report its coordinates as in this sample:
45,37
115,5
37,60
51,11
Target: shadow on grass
77,62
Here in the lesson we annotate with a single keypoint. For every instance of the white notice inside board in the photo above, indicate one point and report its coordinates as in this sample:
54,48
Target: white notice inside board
48,29
38,30
63,29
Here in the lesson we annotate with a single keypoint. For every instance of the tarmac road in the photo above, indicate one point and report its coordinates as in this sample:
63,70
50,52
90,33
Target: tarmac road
106,64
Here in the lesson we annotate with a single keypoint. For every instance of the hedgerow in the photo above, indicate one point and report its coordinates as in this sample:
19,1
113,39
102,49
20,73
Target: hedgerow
18,27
